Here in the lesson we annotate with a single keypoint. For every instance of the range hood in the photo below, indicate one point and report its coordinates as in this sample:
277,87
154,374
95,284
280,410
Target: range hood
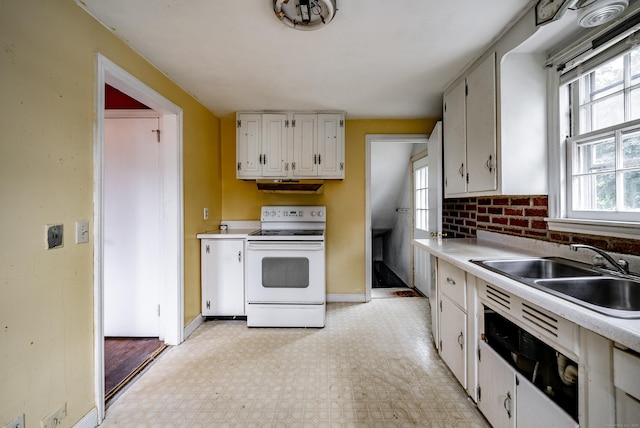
290,186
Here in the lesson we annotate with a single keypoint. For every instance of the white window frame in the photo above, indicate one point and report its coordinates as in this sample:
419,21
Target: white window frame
419,165
561,216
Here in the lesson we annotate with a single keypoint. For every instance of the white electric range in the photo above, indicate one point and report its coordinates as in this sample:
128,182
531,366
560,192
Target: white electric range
285,270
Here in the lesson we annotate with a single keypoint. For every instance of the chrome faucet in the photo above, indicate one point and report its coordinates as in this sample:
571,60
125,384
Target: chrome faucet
621,265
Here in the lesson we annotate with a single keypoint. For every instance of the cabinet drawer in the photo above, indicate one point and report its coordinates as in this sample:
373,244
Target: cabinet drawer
451,281
626,372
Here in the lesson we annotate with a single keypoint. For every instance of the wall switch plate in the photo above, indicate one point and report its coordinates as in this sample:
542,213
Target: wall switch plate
82,231
16,423
206,213
54,236
54,418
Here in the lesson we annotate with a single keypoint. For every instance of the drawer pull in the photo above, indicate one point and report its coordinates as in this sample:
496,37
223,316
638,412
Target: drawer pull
461,340
508,409
451,281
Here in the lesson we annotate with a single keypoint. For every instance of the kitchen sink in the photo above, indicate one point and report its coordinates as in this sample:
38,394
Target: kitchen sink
614,293
608,293
539,268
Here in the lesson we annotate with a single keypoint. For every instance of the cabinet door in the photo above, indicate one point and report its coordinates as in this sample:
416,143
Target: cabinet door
223,277
330,146
248,145
496,380
534,409
305,143
453,334
454,145
275,145
481,127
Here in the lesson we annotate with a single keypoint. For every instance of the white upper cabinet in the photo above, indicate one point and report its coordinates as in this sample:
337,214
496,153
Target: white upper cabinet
470,132
331,145
294,145
249,146
495,138
305,145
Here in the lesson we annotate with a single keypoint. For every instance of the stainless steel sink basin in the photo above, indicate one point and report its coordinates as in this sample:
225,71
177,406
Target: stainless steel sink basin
539,268
614,293
610,294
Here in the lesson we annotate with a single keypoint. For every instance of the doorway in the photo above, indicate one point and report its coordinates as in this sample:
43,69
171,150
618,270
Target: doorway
170,278
401,207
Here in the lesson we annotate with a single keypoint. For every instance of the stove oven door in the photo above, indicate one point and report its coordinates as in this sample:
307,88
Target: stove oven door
285,272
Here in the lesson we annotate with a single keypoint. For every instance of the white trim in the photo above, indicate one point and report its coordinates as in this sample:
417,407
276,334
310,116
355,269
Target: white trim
172,250
618,229
369,140
193,325
131,113
90,420
349,298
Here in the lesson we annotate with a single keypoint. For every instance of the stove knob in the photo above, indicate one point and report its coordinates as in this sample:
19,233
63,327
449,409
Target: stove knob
313,213
320,213
273,213
265,214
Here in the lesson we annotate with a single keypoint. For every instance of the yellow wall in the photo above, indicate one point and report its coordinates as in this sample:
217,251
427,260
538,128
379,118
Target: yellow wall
345,199
47,81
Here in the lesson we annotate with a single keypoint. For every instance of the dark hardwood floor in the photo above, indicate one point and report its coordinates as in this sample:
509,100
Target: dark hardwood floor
124,357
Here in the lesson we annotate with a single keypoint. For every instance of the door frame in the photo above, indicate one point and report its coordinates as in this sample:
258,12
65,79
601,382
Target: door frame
171,216
370,139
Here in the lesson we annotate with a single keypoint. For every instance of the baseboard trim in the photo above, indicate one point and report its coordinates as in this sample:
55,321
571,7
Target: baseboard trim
90,420
192,326
349,298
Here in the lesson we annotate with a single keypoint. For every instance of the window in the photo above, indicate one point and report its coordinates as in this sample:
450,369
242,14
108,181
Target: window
603,144
421,185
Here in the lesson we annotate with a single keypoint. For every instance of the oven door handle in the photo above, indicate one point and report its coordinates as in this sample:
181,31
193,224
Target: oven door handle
285,246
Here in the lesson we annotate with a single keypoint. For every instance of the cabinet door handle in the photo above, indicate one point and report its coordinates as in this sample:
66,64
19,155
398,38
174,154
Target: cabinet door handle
461,340
239,256
451,281
264,159
315,159
260,160
507,401
319,159
489,163
461,170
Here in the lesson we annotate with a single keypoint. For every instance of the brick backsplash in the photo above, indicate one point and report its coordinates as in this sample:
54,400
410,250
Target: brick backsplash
520,216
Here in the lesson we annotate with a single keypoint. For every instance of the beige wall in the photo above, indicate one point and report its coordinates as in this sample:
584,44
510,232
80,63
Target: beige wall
47,78
345,199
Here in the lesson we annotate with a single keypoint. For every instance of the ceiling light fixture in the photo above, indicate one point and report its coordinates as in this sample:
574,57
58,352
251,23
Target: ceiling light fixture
600,12
305,14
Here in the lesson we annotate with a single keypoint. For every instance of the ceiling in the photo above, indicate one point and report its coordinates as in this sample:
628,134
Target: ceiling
376,59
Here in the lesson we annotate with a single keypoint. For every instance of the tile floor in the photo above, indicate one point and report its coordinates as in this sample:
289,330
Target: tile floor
373,365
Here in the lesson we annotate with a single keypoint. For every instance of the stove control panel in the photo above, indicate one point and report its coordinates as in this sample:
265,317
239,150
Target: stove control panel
294,213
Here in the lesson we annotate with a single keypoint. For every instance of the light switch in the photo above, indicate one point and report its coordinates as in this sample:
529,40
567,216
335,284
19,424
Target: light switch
82,231
206,213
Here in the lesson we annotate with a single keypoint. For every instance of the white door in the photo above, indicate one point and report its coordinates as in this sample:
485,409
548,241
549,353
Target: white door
496,378
131,227
535,409
305,156
453,336
455,131
331,145
427,190
274,146
222,277
249,145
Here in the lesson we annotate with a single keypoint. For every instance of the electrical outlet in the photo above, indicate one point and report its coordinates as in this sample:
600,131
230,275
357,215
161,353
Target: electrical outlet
54,418
82,231
16,423
206,213
54,236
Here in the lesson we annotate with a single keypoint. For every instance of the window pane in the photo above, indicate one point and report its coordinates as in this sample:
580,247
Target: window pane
595,192
607,79
634,59
595,156
631,183
631,150
634,104
607,112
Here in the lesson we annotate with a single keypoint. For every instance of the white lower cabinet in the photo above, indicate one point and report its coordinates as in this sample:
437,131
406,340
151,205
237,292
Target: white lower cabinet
453,334
507,399
223,291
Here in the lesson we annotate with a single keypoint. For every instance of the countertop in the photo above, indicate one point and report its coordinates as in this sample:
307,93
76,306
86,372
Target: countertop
225,234
459,251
